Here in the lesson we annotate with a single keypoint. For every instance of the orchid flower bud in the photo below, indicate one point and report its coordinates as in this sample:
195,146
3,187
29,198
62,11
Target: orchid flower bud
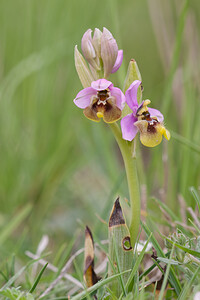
101,52
97,41
118,61
109,51
89,50
133,75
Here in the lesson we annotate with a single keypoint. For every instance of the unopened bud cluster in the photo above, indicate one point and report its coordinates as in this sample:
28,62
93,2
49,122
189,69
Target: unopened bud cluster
102,54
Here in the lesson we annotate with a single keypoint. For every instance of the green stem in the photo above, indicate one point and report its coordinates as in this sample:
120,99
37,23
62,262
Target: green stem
132,178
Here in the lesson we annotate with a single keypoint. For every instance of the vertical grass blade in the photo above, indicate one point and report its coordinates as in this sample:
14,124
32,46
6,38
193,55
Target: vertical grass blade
164,284
196,196
184,293
14,223
38,279
174,281
175,58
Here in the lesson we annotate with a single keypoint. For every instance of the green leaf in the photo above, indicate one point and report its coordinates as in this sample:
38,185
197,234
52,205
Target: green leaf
38,279
16,294
174,281
14,223
167,261
18,274
166,208
136,266
164,284
184,141
193,252
184,293
175,58
120,250
196,196
98,285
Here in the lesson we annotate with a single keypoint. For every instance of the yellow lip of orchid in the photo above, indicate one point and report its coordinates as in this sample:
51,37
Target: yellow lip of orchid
151,132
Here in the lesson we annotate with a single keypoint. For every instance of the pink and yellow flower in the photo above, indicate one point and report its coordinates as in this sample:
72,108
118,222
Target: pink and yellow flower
148,121
101,100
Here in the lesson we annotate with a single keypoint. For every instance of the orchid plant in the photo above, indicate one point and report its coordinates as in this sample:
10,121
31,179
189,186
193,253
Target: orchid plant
100,99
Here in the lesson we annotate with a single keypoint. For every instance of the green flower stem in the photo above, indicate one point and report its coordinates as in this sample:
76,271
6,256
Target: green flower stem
132,178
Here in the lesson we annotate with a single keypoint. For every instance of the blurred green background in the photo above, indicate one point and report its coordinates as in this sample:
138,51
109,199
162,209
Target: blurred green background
58,170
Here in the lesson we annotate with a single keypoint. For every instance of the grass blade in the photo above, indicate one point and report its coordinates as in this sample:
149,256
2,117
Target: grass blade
18,274
174,281
184,293
14,223
136,266
175,58
193,252
166,208
164,284
196,196
98,285
38,279
184,141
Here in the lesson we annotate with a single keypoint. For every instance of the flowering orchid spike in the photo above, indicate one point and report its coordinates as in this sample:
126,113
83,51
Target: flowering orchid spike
148,121
101,100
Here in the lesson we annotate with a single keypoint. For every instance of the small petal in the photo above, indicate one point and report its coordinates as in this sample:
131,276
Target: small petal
167,134
164,132
118,62
86,45
131,95
156,113
91,114
112,113
101,84
120,98
82,69
88,49
143,109
109,112
97,41
83,98
94,73
129,130
109,51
